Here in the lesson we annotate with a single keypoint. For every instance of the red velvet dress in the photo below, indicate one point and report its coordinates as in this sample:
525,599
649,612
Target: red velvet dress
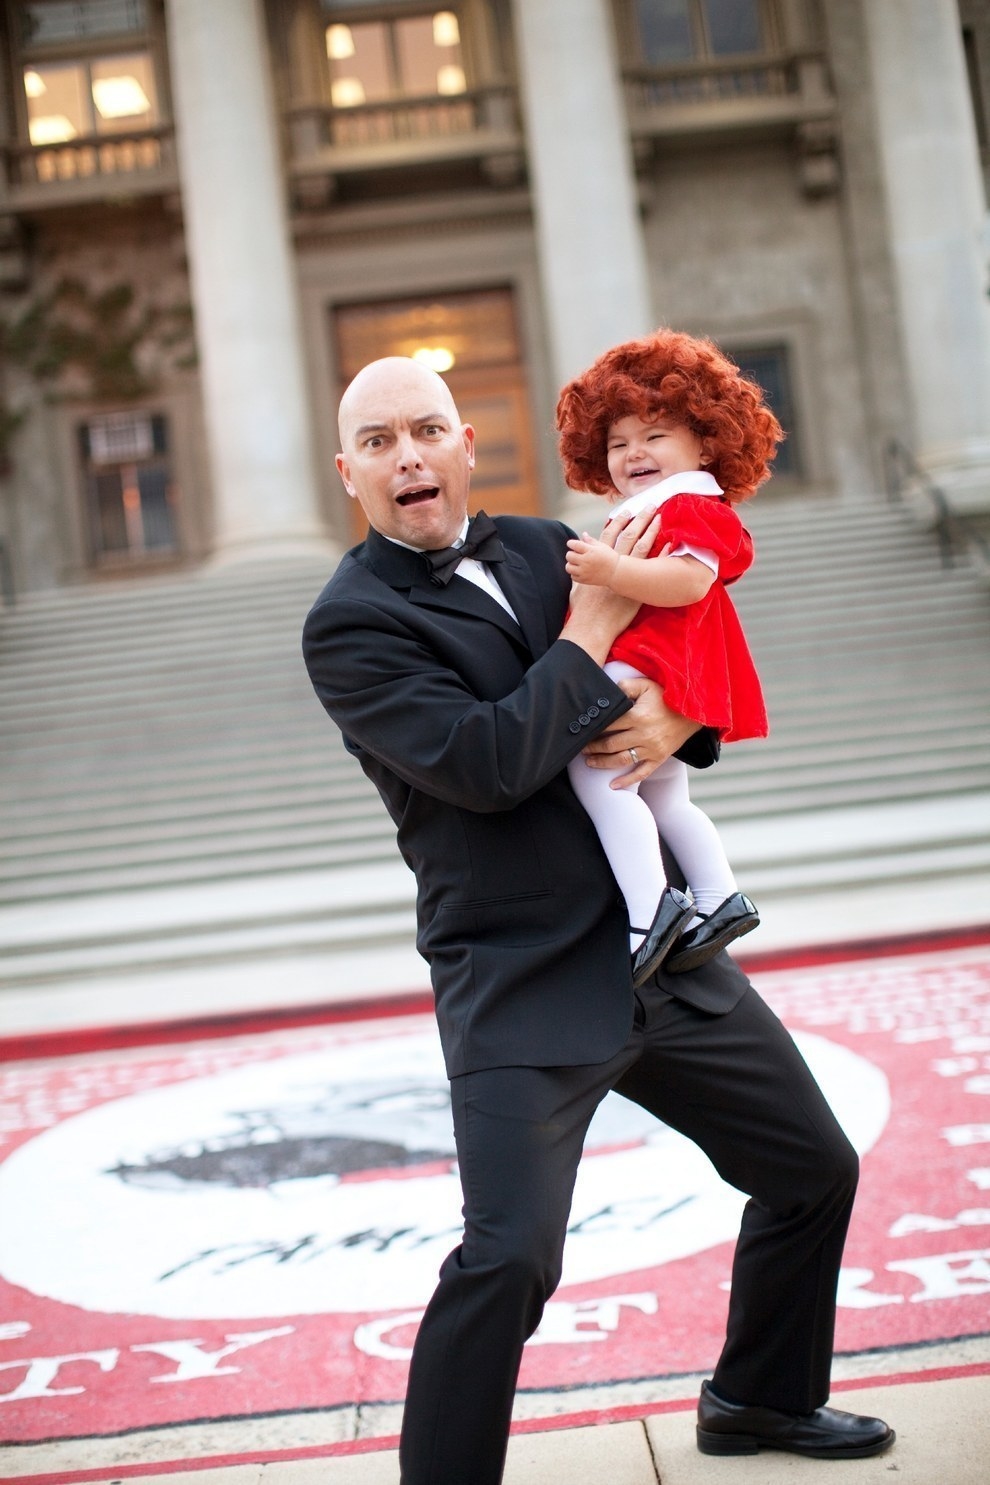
698,652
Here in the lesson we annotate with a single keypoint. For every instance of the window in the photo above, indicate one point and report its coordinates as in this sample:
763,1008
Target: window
89,87
107,95
128,487
408,56
55,22
769,367
673,31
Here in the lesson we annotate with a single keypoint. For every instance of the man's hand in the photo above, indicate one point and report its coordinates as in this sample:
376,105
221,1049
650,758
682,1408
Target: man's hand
643,738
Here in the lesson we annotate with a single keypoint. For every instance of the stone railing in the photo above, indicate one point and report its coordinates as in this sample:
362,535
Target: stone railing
93,164
432,124
908,484
799,82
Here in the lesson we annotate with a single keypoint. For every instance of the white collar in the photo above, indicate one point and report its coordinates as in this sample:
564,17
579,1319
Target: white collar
691,482
457,542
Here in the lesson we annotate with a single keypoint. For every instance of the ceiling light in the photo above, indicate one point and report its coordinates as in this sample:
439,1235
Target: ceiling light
436,357
451,79
119,97
347,92
446,31
54,128
340,43
34,84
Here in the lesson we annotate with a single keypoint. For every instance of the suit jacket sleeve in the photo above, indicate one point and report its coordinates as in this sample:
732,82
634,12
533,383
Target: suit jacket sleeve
399,690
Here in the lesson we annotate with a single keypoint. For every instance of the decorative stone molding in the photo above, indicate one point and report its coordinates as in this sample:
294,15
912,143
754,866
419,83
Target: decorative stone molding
819,170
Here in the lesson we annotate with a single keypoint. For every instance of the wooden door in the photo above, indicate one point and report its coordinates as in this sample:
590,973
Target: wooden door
477,331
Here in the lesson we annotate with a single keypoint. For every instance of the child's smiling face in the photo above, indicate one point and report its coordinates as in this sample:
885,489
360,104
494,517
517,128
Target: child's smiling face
642,451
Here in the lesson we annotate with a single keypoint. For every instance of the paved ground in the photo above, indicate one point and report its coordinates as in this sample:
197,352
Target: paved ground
914,1330
943,1436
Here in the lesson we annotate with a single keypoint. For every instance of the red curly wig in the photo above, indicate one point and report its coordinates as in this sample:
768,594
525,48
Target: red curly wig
668,374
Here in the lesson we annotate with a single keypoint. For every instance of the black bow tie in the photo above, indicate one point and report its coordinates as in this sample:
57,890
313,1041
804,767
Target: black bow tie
481,542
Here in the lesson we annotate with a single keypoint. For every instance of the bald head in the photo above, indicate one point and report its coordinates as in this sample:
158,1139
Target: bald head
405,456
381,381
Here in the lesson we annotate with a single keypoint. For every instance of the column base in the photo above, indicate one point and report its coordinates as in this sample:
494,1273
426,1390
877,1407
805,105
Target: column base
962,473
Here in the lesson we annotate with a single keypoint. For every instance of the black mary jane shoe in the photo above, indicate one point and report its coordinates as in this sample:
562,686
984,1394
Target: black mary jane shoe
674,911
735,1428
731,919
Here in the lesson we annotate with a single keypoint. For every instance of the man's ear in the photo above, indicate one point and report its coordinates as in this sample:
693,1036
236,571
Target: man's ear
344,470
467,432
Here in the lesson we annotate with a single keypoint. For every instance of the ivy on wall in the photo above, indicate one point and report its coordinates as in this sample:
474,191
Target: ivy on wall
92,344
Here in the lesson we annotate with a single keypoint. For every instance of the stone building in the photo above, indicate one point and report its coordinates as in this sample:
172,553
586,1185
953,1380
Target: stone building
211,214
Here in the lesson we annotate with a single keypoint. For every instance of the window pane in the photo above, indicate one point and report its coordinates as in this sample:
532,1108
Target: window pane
365,74
75,20
58,102
424,65
768,367
123,93
345,5
664,31
733,27
156,516
117,438
107,511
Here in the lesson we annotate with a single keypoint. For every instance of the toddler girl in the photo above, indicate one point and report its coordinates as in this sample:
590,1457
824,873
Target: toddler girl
670,422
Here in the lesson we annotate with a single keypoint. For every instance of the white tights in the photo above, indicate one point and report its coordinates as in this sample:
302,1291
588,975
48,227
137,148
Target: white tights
630,822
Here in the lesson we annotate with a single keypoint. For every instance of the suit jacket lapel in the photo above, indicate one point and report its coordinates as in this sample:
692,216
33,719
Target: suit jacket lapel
405,569
517,581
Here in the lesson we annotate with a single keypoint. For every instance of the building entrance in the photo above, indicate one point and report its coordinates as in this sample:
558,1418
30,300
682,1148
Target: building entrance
471,339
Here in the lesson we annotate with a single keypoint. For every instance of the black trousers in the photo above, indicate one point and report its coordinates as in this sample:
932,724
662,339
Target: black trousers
736,1085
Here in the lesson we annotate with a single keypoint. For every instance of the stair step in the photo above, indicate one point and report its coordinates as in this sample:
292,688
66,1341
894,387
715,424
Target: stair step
161,741
189,871
43,966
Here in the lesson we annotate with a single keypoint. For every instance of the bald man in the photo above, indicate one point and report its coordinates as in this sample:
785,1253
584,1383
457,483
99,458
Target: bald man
464,682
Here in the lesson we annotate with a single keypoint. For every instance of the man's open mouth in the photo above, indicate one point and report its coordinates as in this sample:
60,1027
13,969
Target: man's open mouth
417,497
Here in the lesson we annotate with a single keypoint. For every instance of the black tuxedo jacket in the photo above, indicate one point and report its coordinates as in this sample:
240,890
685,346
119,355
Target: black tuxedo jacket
465,721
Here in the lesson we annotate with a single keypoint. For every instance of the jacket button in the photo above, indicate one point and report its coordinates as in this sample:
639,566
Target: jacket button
574,726
584,719
592,711
604,701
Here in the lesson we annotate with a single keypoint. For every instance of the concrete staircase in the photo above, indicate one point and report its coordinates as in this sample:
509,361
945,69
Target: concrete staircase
176,802
876,664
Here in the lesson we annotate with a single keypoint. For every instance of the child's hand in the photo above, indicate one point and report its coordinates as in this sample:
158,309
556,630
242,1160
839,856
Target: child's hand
591,561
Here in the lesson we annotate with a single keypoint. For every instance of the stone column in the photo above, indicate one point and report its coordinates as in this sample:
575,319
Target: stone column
937,221
590,239
243,279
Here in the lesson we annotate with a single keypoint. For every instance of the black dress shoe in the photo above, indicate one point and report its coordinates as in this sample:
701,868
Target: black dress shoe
733,1428
731,919
674,911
